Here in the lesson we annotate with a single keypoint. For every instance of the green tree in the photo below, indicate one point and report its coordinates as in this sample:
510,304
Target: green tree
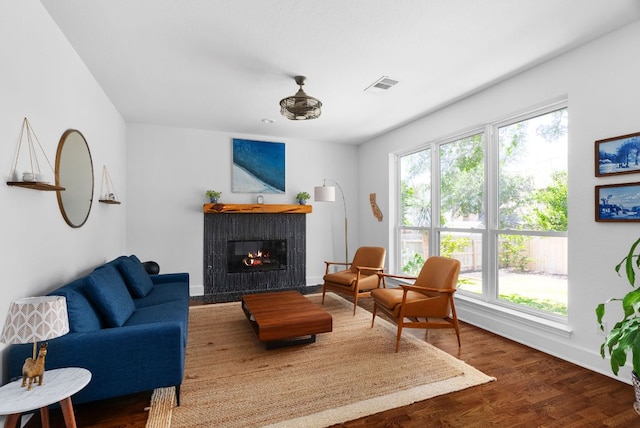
550,209
462,178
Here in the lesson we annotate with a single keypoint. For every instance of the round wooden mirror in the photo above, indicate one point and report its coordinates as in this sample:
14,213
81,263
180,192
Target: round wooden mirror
74,172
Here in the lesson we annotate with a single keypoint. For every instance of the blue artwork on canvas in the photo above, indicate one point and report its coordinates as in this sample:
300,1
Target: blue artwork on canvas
258,167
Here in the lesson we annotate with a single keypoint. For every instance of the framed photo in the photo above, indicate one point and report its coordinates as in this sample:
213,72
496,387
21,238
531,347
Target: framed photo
258,167
618,202
618,155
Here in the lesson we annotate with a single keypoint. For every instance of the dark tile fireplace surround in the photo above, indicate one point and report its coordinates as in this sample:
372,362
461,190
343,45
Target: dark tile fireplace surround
228,275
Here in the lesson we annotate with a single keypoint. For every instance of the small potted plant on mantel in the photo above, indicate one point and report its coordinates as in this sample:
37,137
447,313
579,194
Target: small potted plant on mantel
302,197
624,337
213,195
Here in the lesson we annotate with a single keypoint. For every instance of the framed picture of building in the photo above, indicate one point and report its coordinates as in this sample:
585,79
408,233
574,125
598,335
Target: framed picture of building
618,202
618,155
258,167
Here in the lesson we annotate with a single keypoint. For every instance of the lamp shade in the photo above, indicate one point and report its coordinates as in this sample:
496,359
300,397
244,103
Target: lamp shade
34,319
324,193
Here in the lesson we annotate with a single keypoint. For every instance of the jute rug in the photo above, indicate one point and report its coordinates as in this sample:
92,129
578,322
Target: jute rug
232,381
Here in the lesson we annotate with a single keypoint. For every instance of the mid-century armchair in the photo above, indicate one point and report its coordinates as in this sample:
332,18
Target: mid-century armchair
430,297
361,276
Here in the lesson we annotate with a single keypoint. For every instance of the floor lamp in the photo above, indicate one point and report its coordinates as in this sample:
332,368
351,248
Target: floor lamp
326,193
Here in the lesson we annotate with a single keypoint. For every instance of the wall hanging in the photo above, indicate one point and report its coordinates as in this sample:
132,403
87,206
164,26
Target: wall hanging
258,167
74,172
618,155
32,177
108,193
618,202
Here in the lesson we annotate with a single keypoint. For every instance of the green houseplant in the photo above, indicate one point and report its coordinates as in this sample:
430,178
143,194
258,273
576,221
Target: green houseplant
624,337
213,195
302,197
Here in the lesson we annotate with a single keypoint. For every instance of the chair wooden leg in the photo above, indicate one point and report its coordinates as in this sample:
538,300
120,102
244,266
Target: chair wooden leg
457,328
375,308
355,303
324,290
399,335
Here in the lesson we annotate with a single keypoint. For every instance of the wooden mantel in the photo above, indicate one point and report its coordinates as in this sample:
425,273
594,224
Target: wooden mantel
256,209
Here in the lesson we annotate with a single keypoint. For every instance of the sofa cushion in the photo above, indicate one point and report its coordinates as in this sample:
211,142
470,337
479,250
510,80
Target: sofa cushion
82,315
107,291
164,293
177,311
135,276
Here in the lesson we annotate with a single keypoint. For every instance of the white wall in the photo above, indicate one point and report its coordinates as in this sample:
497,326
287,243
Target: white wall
42,78
601,83
169,170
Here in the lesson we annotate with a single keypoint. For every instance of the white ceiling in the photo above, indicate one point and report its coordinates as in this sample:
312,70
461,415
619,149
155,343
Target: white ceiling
225,65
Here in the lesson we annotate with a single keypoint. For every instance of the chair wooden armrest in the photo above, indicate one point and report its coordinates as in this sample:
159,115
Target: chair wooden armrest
423,289
338,263
370,268
390,275
328,264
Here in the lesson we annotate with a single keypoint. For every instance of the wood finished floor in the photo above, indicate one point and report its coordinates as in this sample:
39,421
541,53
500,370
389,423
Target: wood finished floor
532,389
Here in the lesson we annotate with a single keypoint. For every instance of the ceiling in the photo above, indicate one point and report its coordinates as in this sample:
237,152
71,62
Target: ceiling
224,65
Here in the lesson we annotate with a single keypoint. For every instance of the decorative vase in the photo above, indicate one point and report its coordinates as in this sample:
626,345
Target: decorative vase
302,201
214,200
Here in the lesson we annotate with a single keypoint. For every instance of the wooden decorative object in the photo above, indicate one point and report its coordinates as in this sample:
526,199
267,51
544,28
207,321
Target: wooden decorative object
256,208
33,370
374,207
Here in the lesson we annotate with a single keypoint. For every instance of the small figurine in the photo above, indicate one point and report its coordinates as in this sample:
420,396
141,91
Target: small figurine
34,369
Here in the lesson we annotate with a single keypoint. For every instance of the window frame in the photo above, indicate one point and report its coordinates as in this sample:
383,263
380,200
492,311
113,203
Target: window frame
490,233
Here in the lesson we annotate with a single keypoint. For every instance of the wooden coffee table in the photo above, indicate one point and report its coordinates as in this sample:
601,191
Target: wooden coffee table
285,318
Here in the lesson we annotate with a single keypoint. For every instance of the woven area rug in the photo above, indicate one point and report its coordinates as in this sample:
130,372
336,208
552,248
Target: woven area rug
232,381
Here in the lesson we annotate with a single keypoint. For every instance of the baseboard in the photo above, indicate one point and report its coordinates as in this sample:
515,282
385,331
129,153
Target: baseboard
196,290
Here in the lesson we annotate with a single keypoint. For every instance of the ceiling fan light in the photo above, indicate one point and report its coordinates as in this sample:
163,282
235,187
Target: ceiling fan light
300,106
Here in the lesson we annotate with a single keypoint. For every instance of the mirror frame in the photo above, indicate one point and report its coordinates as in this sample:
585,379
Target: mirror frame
68,187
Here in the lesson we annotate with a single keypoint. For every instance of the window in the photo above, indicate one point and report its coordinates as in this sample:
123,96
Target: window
495,199
532,212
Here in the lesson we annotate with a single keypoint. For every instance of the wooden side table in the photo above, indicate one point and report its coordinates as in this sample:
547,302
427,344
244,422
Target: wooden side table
58,386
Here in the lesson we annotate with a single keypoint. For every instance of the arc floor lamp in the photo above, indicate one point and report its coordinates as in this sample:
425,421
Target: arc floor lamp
326,193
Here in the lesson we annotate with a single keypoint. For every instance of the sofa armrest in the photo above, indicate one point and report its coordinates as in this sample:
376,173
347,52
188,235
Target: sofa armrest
164,278
122,360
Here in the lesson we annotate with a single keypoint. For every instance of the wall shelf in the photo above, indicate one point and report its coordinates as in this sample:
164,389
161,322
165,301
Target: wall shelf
110,196
29,137
35,185
256,208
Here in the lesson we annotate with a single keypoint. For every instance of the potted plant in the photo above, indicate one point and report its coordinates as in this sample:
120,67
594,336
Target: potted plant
624,337
302,197
213,195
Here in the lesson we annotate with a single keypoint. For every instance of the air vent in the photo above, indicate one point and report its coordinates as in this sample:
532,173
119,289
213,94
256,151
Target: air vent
381,85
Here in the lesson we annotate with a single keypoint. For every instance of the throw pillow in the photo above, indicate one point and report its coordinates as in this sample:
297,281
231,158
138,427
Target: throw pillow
108,292
135,276
82,316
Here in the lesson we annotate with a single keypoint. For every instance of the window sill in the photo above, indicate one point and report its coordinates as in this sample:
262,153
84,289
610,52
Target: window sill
491,311
483,309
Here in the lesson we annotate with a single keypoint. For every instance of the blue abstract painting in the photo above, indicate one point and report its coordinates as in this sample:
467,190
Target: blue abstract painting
258,167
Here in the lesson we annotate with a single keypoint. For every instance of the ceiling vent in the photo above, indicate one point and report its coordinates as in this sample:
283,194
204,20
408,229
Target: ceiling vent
381,85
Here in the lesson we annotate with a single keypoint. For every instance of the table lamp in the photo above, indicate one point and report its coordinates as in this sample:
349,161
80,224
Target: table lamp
35,319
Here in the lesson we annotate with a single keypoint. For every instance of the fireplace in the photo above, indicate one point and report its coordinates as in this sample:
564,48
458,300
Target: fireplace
251,255
249,252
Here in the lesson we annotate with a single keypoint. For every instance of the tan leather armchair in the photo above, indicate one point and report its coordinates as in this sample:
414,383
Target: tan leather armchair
361,276
430,297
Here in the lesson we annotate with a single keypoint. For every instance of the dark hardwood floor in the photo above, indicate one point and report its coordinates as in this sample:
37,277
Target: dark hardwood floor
533,389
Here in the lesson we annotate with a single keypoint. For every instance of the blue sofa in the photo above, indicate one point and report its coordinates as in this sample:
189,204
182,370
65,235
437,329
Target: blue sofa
129,328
